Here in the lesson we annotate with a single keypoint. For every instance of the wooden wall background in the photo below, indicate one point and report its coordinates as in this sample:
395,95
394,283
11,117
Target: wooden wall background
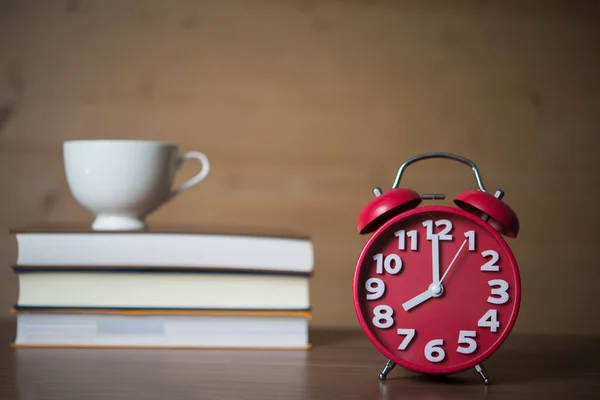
304,106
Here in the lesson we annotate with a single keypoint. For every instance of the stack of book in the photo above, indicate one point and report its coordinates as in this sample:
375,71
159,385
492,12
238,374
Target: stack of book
162,289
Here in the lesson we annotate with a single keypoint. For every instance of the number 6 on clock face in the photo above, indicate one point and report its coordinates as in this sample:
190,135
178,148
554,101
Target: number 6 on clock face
436,329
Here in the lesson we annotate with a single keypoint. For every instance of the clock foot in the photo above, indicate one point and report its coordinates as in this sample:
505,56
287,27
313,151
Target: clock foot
386,370
481,371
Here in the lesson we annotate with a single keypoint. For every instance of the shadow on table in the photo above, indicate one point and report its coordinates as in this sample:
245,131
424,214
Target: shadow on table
328,337
522,358
525,358
530,359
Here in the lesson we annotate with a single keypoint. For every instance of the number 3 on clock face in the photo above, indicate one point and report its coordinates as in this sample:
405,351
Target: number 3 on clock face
436,289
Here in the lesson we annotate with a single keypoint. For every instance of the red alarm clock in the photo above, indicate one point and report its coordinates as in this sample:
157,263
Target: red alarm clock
436,288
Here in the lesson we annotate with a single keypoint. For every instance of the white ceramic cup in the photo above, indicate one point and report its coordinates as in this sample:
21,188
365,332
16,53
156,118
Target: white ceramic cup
122,181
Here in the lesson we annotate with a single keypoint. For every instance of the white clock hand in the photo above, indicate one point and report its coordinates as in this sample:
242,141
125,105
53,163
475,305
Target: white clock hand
454,259
434,290
435,258
415,301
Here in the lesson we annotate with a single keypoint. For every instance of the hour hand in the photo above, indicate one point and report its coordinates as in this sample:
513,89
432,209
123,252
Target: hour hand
434,290
415,301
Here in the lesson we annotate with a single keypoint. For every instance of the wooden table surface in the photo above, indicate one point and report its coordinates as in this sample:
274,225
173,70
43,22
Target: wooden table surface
341,365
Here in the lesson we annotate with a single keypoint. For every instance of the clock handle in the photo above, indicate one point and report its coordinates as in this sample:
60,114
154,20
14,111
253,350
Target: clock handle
451,156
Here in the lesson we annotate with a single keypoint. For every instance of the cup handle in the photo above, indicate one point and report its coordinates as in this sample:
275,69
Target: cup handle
198,177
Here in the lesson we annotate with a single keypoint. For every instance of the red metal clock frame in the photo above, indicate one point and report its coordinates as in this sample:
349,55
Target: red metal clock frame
385,293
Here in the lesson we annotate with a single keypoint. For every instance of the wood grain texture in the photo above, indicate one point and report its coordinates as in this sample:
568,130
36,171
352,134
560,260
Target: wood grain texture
342,364
303,107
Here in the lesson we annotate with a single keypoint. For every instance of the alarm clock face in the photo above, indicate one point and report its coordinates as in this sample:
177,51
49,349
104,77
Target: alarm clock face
436,289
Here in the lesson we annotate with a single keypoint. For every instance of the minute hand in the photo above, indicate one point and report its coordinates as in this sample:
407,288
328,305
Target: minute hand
454,259
435,258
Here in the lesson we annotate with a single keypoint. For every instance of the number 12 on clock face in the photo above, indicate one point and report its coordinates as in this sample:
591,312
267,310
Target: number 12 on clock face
436,289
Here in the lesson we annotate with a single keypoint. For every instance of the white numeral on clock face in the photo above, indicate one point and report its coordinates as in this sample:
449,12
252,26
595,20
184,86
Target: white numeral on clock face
499,288
491,264
375,287
434,351
471,236
466,337
392,263
383,316
410,334
444,233
489,320
402,236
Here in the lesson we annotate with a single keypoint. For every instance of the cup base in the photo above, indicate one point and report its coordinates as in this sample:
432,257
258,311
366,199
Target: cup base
105,222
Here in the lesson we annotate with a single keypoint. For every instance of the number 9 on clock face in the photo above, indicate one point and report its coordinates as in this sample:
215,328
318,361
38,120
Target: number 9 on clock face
436,289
